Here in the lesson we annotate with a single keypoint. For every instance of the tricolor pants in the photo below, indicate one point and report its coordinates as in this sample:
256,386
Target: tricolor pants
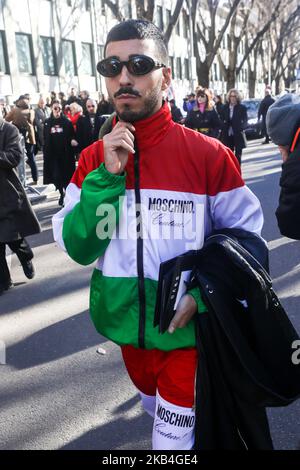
166,382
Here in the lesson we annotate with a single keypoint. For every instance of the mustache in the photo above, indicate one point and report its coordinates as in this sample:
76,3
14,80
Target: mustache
126,91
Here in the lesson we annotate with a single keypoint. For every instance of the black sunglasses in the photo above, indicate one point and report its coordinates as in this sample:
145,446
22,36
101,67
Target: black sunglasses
136,65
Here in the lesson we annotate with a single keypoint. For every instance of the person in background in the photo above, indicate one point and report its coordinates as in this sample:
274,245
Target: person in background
104,106
53,96
176,113
234,121
88,126
219,105
17,219
84,96
41,114
59,160
189,102
283,126
73,98
262,112
4,108
74,113
21,117
62,99
203,117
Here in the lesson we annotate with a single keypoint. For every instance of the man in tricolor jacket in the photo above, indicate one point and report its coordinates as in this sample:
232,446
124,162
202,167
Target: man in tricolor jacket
148,191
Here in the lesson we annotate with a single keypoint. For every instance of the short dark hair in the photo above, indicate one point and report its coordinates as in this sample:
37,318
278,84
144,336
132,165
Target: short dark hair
139,29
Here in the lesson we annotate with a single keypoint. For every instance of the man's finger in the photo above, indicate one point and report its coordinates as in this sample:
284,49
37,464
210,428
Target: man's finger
128,125
187,307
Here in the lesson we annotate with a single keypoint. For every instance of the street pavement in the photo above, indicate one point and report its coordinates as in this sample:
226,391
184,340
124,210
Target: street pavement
56,390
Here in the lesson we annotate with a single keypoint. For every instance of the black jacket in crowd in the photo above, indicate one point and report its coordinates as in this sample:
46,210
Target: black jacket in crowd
85,133
17,219
245,346
104,107
59,164
264,106
207,123
176,114
238,123
288,211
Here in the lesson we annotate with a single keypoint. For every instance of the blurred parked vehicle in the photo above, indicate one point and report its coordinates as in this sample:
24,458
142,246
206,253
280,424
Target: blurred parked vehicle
254,127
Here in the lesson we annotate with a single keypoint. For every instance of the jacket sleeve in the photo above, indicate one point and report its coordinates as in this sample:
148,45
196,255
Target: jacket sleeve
232,204
288,211
244,120
11,153
79,134
85,226
195,293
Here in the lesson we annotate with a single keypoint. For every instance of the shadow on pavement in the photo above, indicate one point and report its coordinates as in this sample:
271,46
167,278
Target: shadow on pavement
117,431
55,342
32,293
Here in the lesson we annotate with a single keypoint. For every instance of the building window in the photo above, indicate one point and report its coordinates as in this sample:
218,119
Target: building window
168,13
228,42
87,5
185,25
69,3
171,65
178,27
102,8
186,69
48,55
160,19
3,54
215,72
224,41
86,66
24,53
69,58
179,68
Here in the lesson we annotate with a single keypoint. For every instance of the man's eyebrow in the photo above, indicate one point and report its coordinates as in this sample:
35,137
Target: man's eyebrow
112,57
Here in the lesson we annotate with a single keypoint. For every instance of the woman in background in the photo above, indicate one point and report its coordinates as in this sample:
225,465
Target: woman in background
59,160
203,117
234,117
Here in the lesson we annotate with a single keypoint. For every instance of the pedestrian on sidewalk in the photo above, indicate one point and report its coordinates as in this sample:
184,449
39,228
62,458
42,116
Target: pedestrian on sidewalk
234,117
176,112
169,169
21,116
59,158
17,219
41,114
283,126
88,126
203,117
104,106
262,112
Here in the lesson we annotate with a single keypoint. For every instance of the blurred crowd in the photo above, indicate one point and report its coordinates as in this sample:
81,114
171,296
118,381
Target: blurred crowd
60,127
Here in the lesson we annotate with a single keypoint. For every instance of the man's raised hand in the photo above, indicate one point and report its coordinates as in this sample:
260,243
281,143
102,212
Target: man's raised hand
117,144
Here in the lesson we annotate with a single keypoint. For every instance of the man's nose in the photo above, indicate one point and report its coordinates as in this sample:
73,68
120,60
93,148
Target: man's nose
125,78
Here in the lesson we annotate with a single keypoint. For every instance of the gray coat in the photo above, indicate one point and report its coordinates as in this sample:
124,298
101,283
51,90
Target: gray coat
40,117
17,219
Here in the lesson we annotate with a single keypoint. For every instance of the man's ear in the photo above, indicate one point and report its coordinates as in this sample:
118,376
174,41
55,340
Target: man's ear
167,77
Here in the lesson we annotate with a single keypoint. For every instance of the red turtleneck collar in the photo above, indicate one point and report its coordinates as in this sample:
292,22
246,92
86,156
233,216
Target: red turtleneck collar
151,131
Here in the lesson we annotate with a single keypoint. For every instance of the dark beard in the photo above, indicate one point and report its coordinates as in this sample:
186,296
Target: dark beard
127,115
